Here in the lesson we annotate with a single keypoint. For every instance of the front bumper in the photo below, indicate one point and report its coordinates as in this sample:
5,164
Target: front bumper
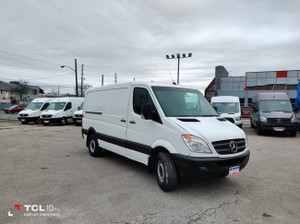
28,119
209,165
270,127
77,120
50,120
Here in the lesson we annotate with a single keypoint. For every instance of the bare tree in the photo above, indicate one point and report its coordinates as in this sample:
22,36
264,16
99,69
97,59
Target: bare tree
20,87
85,87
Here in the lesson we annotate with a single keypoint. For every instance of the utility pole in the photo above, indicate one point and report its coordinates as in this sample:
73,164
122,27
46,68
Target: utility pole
102,81
58,90
81,94
76,81
115,78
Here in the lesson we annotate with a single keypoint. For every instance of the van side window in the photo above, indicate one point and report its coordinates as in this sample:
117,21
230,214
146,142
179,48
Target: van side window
69,106
141,96
45,106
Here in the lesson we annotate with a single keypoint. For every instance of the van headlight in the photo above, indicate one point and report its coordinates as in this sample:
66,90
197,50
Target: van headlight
238,118
196,144
293,120
262,119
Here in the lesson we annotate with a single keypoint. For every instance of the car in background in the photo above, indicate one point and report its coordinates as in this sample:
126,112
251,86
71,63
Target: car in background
246,111
14,109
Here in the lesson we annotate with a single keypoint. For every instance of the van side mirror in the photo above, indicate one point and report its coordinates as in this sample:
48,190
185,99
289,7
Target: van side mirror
147,111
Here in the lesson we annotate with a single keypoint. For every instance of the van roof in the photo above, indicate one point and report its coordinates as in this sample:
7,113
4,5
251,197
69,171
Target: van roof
148,84
225,99
273,96
66,99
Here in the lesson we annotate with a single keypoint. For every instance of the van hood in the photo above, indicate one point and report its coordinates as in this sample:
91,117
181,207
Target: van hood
209,128
277,114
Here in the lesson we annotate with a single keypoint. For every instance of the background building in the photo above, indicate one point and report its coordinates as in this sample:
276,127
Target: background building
245,87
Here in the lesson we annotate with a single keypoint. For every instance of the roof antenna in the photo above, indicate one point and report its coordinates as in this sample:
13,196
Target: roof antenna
173,82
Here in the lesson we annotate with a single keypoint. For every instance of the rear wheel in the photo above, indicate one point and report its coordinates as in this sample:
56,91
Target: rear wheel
93,146
166,173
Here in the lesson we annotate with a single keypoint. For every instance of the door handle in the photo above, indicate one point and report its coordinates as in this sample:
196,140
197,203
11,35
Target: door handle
123,120
132,122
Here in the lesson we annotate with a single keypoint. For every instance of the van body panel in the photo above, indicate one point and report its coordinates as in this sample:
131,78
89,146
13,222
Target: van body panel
228,111
32,113
272,111
115,114
60,109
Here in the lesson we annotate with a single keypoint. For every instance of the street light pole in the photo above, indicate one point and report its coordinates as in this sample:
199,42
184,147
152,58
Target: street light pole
75,70
178,56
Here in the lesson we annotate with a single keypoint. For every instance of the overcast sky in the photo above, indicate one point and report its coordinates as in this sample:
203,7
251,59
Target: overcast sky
132,37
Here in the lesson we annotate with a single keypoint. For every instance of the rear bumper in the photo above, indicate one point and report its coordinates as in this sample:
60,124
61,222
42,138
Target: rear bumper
206,165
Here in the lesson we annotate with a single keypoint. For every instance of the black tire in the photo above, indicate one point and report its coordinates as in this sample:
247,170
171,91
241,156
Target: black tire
38,121
24,122
252,125
259,131
166,173
93,146
63,121
293,133
46,124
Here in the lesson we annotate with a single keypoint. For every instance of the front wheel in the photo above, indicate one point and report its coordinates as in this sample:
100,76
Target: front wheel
166,173
63,121
93,146
293,133
259,129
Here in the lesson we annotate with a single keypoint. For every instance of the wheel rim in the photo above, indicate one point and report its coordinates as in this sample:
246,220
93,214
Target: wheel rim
63,121
92,146
161,173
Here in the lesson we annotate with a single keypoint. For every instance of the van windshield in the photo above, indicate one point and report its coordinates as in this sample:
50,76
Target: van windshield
275,105
56,106
180,102
34,106
226,107
80,107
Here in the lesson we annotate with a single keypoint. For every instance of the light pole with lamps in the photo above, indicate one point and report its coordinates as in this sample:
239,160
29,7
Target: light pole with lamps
75,70
178,56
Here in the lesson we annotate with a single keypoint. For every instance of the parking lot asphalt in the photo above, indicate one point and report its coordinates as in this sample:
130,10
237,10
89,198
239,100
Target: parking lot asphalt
49,173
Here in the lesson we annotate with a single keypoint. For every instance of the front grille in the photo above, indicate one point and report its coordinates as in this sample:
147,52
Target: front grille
229,119
23,115
223,147
78,115
46,116
279,120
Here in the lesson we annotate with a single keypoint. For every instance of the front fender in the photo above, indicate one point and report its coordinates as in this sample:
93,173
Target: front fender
164,144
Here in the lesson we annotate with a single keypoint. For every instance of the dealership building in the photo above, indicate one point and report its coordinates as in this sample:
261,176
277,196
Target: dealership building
245,87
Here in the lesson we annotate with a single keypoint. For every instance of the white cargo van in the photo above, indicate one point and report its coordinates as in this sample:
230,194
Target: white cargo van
33,111
171,129
61,110
77,116
229,108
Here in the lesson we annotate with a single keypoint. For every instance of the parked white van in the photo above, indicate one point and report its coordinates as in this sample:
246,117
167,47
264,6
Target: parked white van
61,110
229,108
77,116
171,129
33,111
